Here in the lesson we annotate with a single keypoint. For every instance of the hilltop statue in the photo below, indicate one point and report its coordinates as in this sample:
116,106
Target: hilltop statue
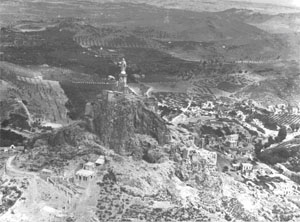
123,76
123,65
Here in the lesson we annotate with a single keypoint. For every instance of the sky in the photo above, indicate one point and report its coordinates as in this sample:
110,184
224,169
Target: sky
278,2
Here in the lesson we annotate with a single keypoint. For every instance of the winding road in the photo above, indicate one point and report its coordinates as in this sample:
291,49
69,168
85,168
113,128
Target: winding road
11,170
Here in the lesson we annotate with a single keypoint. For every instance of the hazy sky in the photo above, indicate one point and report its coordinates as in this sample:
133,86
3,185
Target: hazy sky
279,2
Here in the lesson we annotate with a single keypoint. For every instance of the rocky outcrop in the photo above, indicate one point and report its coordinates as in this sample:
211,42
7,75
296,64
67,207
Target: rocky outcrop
118,124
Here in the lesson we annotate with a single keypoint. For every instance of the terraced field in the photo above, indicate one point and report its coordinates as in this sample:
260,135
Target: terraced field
129,41
286,119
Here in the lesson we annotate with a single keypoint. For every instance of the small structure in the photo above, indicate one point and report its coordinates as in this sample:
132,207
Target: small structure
45,173
248,155
89,166
233,140
282,106
283,189
277,111
111,96
236,166
100,161
210,157
84,175
271,108
200,142
246,167
208,105
294,110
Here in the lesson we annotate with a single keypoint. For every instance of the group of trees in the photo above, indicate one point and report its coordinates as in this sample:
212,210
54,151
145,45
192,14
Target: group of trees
282,133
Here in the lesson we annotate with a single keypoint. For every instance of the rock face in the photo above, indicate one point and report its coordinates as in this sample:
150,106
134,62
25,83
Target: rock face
118,124
27,100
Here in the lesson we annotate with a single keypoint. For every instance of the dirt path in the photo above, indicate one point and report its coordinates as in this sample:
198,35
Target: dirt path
148,93
11,170
84,208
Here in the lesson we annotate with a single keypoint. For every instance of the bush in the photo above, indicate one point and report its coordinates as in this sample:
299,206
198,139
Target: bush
281,135
225,169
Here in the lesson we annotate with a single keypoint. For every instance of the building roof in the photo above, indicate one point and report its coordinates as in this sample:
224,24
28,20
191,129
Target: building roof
89,164
247,164
85,173
100,160
46,171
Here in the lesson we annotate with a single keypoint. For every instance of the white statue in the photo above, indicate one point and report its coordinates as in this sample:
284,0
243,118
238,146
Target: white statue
123,65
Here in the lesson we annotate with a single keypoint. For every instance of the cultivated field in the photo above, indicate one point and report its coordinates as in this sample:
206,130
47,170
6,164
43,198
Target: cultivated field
286,119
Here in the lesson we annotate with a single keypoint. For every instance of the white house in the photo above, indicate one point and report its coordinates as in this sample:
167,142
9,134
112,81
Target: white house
208,105
283,189
100,161
294,110
45,173
246,167
277,111
84,175
233,140
89,166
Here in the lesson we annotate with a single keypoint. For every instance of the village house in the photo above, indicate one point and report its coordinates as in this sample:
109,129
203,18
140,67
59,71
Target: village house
249,138
45,173
208,105
271,108
294,110
259,170
201,142
246,153
89,166
278,111
232,140
100,161
281,106
84,176
215,123
236,166
12,148
283,189
247,168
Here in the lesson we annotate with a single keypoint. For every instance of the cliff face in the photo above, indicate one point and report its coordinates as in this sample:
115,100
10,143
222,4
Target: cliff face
119,123
25,98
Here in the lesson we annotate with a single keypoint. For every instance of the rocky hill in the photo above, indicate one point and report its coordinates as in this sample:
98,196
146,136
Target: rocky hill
154,172
125,125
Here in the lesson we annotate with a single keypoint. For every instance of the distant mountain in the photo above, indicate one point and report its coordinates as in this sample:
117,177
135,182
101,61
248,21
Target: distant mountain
279,23
270,7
